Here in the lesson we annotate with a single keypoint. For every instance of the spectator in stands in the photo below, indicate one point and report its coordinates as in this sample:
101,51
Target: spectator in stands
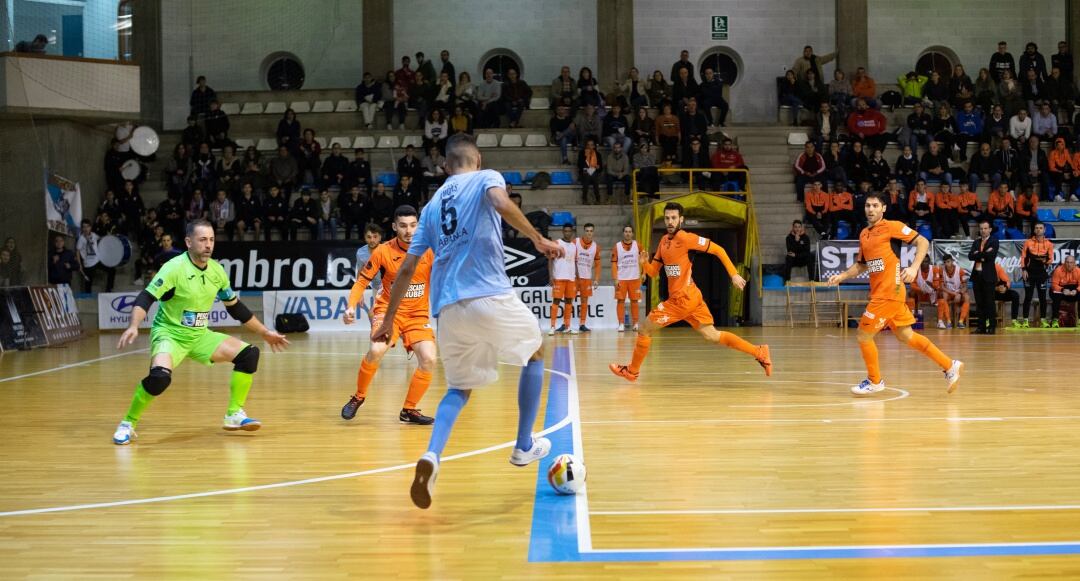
1011,93
1006,164
863,87
969,127
197,208
589,89
353,210
935,164
896,208
1044,123
204,168
1034,91
683,89
229,170
368,98
395,97
590,170
447,66
62,262
947,211
861,193
217,125
817,205
712,95
460,122
856,164
921,205
304,214
409,165
191,136
110,206
284,171
697,157
790,96
422,97
179,171
327,218
254,172
961,89
693,125
171,215
588,124
359,171
1063,288
425,66
943,128
114,160
564,90
986,90
878,171
867,125
335,168
841,208
668,133
1035,260
275,212
798,251
617,170
935,91
809,168
726,159
1002,293
89,260
683,64
1032,60
616,128
104,226
834,164
563,131
444,96
1063,60
982,167
840,92
37,46
1002,61
826,126
810,61
996,125
648,178
1034,166
405,75
911,87
1027,208
201,97
1060,93
1002,205
436,130
166,251
906,168
288,131
407,192
658,89
488,100
634,89
223,213
9,272
968,208
434,174
516,94
917,130
643,129
1062,172
812,91
131,205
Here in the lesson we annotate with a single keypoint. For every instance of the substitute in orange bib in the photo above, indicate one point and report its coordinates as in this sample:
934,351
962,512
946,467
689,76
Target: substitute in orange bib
879,254
626,272
924,289
685,302
588,272
953,291
562,270
411,323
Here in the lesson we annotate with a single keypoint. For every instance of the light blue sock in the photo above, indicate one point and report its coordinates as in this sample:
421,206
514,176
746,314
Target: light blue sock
529,387
445,416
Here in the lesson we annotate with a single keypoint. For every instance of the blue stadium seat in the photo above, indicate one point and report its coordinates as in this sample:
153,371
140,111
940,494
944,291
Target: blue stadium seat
843,230
772,281
529,175
1013,234
562,219
388,179
1046,215
1068,215
512,177
1050,233
562,178
925,231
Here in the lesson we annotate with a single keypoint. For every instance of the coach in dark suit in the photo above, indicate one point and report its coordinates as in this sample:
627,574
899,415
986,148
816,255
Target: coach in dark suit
984,251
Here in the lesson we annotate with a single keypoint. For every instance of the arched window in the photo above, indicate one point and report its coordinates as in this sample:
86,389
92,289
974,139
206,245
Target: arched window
725,63
283,71
125,51
937,58
501,60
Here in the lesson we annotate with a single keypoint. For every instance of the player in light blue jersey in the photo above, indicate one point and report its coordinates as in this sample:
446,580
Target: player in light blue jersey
481,320
373,235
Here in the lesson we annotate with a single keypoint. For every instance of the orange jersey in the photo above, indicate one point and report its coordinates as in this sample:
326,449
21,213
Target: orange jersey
947,200
1002,276
913,200
999,203
879,250
1063,278
816,201
969,202
673,255
1035,250
1027,204
387,259
841,201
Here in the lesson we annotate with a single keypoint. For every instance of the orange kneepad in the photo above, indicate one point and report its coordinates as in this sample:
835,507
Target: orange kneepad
880,313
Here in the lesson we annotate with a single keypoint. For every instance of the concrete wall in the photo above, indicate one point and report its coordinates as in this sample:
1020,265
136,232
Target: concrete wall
900,30
66,84
545,35
766,34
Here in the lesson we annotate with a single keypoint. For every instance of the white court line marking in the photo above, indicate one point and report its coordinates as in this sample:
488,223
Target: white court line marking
581,500
565,421
829,420
855,402
77,364
737,511
839,547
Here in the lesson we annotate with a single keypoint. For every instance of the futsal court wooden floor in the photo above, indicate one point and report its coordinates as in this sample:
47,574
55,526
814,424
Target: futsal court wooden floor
704,469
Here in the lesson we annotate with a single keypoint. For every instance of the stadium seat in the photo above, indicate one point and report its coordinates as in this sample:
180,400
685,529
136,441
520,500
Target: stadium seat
413,140
252,108
323,107
538,103
562,219
346,106
276,107
242,144
797,139
772,281
512,177
321,141
1013,234
1068,215
1046,215
529,175
344,142
536,140
231,108
511,140
300,107
388,179
562,178
364,141
1050,233
388,141
487,140
266,144
925,231
843,230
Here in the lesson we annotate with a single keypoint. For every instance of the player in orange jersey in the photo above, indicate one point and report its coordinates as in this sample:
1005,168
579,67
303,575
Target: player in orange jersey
411,322
626,272
879,254
684,301
587,254
953,291
562,271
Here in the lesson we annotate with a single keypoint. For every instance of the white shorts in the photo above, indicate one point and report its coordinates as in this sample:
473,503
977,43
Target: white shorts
475,335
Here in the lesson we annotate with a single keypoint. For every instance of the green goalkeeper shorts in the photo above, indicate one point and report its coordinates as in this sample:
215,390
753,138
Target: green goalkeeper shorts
182,346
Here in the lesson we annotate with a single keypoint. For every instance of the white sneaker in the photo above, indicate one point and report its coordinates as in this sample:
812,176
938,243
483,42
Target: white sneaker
551,331
427,470
1059,198
240,421
622,328
574,331
1073,198
941,324
952,375
865,387
540,449
124,434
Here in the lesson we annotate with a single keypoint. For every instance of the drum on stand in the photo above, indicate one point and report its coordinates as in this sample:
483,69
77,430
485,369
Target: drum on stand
114,250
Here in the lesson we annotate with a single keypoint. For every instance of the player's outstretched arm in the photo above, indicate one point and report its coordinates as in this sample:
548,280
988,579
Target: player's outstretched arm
397,294
718,251
513,215
240,312
855,270
138,315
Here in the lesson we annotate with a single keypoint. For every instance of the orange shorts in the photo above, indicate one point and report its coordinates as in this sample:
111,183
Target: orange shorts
688,306
628,288
880,313
564,289
584,287
410,328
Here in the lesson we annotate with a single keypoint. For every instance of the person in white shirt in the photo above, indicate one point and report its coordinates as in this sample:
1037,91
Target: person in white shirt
1020,125
626,271
563,274
86,252
588,272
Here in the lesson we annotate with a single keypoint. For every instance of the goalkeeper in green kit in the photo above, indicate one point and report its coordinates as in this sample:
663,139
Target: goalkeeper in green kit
187,286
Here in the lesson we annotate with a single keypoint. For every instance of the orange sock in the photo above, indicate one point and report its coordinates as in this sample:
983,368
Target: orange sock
568,313
364,377
964,310
869,356
943,311
584,312
920,343
417,388
555,312
733,341
641,349
633,312
620,311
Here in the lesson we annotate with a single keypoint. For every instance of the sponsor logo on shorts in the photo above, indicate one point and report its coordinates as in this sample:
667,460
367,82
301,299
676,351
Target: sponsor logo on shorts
673,270
415,290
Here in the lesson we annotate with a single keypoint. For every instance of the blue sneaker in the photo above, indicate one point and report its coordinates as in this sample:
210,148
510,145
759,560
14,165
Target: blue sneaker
867,387
240,421
124,434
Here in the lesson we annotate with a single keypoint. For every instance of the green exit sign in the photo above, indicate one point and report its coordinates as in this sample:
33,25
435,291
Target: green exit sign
719,27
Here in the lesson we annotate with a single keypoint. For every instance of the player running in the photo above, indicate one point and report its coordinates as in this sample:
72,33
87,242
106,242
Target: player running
411,323
481,320
187,286
684,301
879,254
626,272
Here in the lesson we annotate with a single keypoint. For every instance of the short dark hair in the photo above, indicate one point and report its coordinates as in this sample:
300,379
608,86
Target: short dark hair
86,222
984,221
189,229
569,225
674,206
404,211
515,195
458,148
197,79
373,228
589,225
796,222
877,196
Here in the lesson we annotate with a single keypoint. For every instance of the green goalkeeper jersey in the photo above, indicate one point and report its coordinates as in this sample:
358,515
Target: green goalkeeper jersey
186,294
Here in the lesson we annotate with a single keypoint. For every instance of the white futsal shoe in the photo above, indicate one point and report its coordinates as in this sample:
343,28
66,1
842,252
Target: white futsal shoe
240,421
427,470
952,375
540,449
622,328
124,434
866,387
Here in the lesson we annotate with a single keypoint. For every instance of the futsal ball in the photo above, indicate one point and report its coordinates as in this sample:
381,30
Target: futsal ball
567,474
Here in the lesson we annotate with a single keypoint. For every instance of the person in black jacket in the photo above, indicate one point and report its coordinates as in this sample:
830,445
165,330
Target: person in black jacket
983,254
217,125
335,168
407,192
410,165
983,166
1006,164
201,97
62,262
381,208
1032,60
682,63
798,251
935,164
275,214
694,125
304,214
1033,167
359,172
906,168
353,207
826,125
712,95
1002,61
917,130
248,213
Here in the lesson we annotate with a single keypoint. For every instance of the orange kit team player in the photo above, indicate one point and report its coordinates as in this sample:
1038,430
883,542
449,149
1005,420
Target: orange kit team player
588,271
626,272
953,291
879,254
562,270
411,322
684,301
924,289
